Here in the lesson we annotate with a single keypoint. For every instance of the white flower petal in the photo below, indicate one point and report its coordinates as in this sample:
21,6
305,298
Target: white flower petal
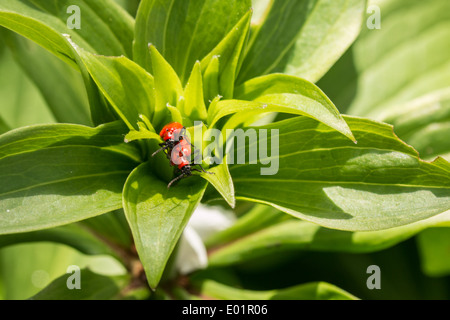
205,221
192,253
209,220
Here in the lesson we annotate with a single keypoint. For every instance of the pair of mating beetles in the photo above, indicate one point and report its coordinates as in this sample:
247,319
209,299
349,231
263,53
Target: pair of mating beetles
178,150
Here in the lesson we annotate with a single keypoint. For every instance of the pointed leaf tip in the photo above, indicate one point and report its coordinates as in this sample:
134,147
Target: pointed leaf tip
157,216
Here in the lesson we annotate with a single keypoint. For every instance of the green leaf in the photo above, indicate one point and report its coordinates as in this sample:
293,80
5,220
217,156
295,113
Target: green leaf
37,23
259,8
396,64
27,268
127,86
168,88
3,126
308,291
222,181
71,235
34,25
22,103
424,123
105,27
432,141
211,80
157,216
230,54
294,236
289,94
302,37
434,251
101,110
410,117
111,227
130,5
258,218
194,105
219,176
58,174
143,133
175,115
339,83
93,287
62,89
184,31
377,184
104,23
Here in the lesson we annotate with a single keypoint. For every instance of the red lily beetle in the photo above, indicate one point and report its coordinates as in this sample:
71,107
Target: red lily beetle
171,133
184,165
178,150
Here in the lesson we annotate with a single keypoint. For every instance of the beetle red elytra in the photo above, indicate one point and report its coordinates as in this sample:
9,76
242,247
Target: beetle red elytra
178,150
171,134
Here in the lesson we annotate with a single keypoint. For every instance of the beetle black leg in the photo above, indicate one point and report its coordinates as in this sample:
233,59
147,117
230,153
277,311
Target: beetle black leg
185,172
164,147
202,170
175,180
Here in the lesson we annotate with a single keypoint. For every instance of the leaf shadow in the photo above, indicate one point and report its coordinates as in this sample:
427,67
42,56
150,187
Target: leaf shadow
340,83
